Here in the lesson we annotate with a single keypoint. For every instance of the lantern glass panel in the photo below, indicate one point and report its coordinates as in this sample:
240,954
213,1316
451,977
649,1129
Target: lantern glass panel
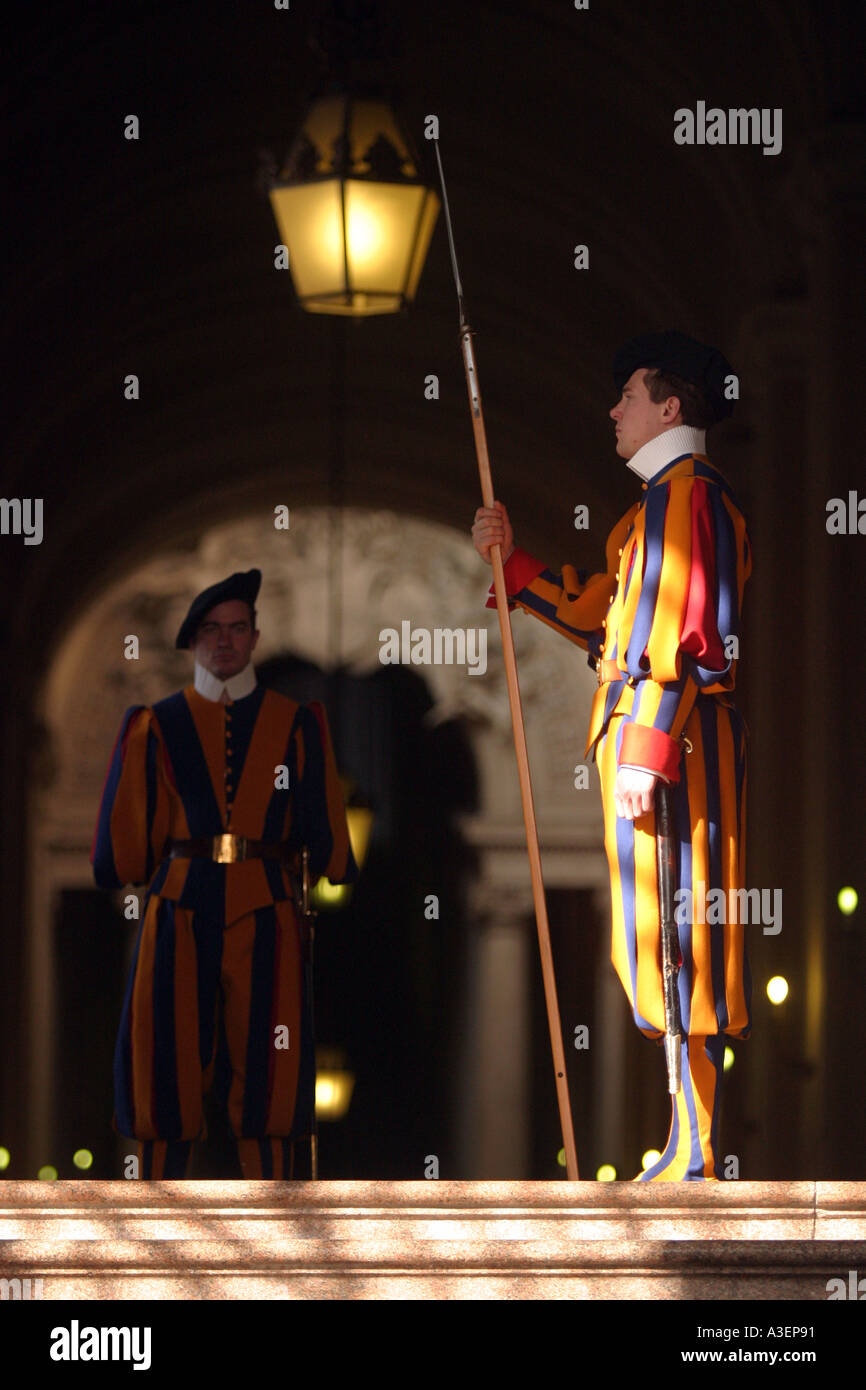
309,217
425,232
381,219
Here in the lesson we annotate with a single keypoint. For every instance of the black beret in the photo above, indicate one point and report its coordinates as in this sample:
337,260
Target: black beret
703,366
241,585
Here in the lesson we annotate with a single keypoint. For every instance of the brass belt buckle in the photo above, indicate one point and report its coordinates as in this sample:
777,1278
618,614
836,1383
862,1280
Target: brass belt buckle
228,849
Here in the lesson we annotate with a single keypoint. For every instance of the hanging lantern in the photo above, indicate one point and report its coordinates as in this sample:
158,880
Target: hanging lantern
352,209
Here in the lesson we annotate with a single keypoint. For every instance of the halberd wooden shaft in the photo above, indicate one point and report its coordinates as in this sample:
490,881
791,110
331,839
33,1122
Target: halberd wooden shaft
526,797
517,726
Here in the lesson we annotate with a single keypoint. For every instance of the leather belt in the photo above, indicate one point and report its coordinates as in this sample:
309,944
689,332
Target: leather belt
607,671
227,849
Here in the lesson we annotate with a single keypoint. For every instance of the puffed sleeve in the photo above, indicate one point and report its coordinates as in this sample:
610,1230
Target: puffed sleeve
133,820
570,602
676,637
319,811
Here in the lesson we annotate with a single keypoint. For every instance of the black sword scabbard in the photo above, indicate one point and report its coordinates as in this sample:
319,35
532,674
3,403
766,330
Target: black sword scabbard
670,942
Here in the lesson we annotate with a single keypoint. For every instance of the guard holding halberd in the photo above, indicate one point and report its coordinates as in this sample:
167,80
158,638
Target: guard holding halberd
661,625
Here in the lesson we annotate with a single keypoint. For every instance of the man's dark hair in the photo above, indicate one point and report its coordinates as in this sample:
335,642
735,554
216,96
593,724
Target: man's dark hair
694,406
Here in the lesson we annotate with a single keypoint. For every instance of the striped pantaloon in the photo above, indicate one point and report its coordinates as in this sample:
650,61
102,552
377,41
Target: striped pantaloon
714,980
200,990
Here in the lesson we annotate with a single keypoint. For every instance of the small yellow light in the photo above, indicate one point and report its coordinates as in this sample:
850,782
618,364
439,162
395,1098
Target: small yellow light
777,989
560,1158
325,1092
47,1173
82,1158
606,1173
729,1059
327,894
5,1158
333,1093
846,900
650,1157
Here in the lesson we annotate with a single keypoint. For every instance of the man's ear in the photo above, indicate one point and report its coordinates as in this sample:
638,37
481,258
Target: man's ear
672,409
255,640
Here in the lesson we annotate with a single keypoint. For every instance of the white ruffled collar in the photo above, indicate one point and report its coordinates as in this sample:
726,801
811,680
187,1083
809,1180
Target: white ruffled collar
667,446
211,687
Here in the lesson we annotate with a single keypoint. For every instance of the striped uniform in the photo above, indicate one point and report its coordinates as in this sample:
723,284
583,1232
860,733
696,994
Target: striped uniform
658,625
219,961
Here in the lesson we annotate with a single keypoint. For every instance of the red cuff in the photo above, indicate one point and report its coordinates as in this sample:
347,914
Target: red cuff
651,748
520,569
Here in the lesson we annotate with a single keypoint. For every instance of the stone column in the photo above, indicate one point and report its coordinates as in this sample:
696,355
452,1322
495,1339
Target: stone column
832,176
803,360
774,356
496,1052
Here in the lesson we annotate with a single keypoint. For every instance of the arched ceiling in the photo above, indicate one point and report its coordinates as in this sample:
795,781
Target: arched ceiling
155,257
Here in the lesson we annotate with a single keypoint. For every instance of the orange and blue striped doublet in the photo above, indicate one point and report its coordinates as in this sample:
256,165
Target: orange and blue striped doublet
662,626
219,962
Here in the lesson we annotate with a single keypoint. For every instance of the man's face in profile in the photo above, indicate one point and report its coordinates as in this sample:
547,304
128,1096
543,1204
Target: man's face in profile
638,419
225,639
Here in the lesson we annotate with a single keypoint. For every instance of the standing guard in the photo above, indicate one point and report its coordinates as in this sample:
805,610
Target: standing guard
210,798
661,625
